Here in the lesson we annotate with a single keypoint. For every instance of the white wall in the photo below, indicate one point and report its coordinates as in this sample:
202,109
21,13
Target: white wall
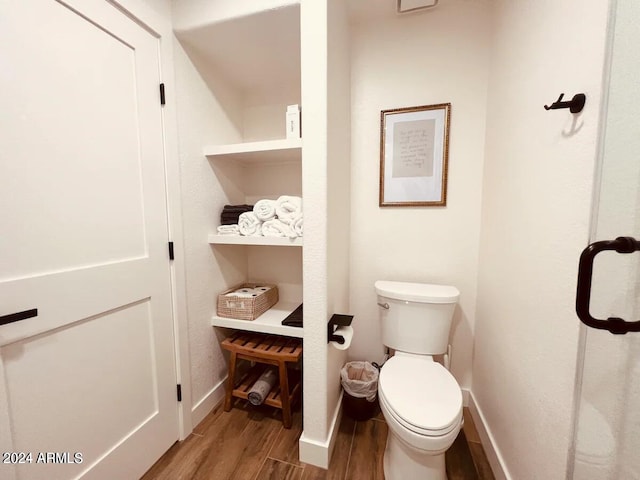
539,169
203,120
432,57
325,183
313,19
338,184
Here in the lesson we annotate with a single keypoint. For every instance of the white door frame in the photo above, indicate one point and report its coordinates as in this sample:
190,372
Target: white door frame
160,26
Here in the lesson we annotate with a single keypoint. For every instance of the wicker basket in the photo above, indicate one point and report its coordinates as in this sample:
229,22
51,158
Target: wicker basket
243,308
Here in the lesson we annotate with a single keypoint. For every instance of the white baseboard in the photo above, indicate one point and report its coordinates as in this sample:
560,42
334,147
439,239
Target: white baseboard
319,453
204,406
494,457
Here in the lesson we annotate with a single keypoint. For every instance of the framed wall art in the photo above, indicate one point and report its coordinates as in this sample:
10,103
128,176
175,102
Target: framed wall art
414,156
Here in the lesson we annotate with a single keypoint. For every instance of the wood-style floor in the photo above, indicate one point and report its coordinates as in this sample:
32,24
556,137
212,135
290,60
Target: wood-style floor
250,443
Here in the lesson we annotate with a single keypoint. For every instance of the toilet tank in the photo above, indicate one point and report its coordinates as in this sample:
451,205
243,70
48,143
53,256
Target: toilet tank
419,315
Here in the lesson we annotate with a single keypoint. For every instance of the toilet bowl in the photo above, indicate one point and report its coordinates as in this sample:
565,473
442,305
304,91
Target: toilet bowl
422,404
595,447
420,400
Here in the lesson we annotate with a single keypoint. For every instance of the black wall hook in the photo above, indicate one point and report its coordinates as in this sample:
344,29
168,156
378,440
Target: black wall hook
575,105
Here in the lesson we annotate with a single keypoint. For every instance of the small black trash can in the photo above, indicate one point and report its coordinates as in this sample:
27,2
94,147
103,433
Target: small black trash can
360,384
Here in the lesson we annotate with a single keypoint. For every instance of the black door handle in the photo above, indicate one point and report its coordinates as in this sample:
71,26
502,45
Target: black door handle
583,294
16,317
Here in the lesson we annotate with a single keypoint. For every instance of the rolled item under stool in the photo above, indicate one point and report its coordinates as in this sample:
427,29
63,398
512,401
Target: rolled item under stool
263,386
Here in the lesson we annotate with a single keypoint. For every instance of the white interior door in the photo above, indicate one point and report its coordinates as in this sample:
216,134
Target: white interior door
89,382
607,433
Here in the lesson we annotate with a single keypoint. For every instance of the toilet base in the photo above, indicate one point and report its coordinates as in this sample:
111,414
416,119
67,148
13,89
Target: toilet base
402,462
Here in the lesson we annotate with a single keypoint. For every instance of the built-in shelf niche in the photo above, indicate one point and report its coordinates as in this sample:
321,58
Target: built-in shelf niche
251,64
257,170
269,322
267,264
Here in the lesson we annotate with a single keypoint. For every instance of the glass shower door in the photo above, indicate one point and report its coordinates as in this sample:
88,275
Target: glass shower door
607,420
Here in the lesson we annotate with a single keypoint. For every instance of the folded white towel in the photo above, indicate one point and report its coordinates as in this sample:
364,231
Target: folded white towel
296,225
263,386
277,228
265,209
249,224
287,208
228,230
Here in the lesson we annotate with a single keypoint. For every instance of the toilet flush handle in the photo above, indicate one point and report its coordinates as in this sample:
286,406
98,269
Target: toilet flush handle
384,305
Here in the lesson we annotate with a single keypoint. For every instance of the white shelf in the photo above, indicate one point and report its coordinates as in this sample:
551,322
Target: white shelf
286,150
257,240
269,322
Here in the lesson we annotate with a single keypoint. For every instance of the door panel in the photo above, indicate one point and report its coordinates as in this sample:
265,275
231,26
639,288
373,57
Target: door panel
85,386
607,431
71,81
83,238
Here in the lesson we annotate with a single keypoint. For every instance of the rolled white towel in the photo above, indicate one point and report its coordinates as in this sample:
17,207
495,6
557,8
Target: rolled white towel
265,209
228,230
288,207
296,225
277,228
263,386
249,224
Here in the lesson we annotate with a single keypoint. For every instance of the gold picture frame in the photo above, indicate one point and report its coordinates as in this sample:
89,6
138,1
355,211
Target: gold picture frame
414,156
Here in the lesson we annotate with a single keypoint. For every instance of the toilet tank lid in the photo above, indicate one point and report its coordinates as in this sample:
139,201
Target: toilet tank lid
417,292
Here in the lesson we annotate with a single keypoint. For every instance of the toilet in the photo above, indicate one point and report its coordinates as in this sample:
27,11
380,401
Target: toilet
419,398
595,449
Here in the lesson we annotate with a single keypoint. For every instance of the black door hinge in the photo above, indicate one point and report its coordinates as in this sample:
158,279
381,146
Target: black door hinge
162,99
179,392
171,256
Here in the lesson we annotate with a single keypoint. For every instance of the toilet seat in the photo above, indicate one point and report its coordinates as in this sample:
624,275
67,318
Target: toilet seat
421,395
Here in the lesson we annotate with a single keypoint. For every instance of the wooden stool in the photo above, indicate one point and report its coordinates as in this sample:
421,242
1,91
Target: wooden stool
264,349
